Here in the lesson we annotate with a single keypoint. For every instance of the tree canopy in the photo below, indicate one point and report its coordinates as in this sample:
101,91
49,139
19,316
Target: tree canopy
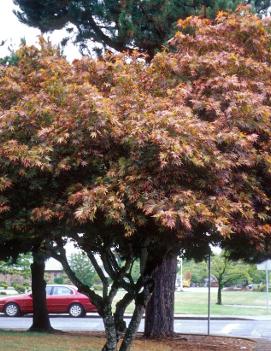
121,25
196,134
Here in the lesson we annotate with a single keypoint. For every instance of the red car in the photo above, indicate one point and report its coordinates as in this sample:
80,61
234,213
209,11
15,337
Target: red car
60,299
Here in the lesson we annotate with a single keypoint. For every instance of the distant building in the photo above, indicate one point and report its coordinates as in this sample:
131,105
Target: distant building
53,270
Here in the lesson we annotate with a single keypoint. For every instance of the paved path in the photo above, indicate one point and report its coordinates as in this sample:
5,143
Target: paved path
255,329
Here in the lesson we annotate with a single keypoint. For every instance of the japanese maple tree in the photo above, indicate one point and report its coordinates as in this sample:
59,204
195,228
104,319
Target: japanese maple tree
197,128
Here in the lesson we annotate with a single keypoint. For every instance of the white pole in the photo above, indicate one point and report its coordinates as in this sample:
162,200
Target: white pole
267,286
209,292
181,287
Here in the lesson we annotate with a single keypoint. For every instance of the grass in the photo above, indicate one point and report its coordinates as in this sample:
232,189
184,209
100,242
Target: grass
16,341
24,341
190,302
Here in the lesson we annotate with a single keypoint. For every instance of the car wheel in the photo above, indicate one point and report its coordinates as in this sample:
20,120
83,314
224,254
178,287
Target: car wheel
12,310
76,310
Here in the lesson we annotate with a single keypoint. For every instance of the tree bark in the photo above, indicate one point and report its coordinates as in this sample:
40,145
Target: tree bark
119,313
110,330
132,329
219,295
141,302
41,321
159,319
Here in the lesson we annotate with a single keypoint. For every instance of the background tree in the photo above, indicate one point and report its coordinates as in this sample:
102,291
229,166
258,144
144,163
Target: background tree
228,273
125,25
198,271
256,276
19,235
18,268
17,238
120,25
83,269
20,190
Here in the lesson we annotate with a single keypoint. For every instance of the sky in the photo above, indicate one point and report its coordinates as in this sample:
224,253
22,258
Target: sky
52,264
12,30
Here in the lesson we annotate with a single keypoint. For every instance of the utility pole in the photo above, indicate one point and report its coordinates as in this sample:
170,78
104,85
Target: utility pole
267,286
181,271
209,291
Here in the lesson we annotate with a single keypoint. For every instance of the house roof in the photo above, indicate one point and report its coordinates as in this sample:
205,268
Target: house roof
53,265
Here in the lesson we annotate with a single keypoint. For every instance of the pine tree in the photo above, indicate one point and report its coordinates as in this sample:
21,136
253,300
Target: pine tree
120,24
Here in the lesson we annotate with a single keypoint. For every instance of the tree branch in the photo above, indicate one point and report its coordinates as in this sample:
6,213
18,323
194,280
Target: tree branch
116,276
120,310
98,35
100,273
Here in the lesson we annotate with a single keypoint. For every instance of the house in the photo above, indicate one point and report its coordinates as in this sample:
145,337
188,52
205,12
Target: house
54,270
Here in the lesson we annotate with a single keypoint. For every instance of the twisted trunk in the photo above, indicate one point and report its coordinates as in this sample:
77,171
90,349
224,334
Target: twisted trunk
141,302
133,327
119,313
110,331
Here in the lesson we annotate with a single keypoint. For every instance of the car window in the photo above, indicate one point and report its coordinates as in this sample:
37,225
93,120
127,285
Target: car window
62,290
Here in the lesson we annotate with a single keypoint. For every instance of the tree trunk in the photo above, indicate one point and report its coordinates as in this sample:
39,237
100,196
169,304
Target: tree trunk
219,295
141,302
119,313
41,321
159,320
110,330
132,329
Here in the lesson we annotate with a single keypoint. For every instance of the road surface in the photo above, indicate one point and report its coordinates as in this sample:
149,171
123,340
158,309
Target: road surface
234,327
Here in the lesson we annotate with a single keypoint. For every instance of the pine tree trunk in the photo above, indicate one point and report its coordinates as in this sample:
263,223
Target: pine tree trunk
159,320
41,321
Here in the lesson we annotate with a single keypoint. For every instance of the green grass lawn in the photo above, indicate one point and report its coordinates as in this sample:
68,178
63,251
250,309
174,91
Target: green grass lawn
188,302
